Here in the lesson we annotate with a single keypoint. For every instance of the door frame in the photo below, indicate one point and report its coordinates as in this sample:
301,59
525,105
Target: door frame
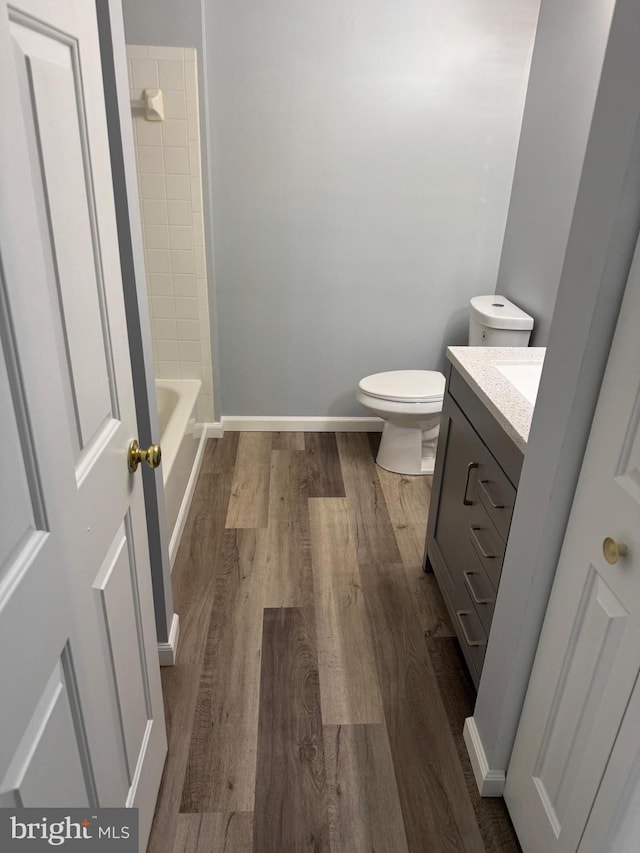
604,230
125,188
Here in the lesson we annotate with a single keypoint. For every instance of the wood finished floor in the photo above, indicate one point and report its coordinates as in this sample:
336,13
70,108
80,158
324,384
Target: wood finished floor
319,694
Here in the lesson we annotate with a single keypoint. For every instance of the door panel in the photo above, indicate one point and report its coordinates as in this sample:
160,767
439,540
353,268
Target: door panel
589,651
628,470
594,649
22,512
47,765
52,102
614,823
117,591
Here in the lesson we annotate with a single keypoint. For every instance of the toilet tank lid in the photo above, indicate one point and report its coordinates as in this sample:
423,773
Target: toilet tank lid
497,312
415,386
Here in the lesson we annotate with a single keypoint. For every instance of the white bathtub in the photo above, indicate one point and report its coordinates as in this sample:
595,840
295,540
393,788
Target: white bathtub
182,442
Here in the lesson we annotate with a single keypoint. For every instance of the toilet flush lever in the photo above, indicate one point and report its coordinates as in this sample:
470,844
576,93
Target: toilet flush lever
470,468
135,455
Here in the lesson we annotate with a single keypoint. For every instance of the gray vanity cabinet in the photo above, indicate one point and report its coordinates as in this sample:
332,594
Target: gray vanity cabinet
474,490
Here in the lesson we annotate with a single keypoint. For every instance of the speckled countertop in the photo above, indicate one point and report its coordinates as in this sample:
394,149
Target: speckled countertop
478,366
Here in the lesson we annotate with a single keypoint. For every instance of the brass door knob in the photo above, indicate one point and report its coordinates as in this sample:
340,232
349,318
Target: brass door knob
613,550
135,455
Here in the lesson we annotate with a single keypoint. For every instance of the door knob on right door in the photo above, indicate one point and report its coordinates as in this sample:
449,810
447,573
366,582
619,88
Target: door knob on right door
613,550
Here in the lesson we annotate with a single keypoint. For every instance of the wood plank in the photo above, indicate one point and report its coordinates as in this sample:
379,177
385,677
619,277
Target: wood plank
373,531
214,833
220,775
288,488
287,441
323,465
291,800
193,581
458,697
433,794
199,548
348,678
364,807
283,550
220,454
249,503
407,500
282,553
374,439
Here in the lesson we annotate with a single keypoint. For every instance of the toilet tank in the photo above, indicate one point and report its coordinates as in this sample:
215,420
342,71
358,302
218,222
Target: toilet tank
496,322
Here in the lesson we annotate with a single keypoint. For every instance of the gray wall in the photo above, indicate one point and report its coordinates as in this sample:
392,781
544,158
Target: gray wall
565,70
163,22
362,156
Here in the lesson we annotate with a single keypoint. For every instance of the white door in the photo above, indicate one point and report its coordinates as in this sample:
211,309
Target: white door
81,718
589,651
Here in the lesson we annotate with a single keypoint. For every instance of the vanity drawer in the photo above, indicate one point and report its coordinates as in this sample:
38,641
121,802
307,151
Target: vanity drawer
501,446
496,494
481,591
472,586
467,582
470,631
487,544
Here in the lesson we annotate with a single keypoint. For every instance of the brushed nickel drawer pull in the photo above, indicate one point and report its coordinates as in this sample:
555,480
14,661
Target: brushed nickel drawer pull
483,486
478,599
479,544
469,641
470,468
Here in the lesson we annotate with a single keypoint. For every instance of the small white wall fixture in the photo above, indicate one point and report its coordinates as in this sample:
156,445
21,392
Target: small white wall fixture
151,104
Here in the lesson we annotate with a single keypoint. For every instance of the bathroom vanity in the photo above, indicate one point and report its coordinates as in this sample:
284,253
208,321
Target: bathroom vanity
486,415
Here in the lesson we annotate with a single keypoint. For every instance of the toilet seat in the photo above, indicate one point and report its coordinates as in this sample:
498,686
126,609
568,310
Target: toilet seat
409,402
404,386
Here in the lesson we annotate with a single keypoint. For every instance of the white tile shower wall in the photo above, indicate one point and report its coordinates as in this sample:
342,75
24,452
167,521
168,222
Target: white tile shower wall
170,186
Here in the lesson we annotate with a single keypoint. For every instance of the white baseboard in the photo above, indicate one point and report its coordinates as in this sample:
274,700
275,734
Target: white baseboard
168,651
490,782
183,512
214,430
246,423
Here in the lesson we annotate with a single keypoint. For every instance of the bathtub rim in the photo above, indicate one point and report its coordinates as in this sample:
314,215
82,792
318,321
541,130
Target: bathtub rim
176,430
188,391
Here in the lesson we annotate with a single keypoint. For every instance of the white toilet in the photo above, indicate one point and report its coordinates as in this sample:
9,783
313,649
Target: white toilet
410,401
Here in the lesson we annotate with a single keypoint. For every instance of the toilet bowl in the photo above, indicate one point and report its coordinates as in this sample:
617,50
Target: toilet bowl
410,402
